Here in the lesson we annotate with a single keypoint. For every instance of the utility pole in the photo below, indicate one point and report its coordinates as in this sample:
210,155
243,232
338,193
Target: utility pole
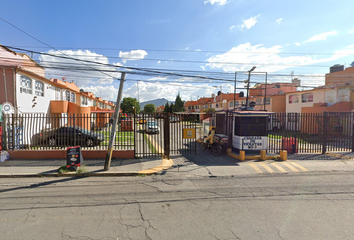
112,136
248,84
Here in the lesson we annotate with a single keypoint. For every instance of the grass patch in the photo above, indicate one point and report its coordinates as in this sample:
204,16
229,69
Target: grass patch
150,145
64,169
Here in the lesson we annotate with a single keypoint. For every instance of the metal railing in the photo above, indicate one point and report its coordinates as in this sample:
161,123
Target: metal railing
58,131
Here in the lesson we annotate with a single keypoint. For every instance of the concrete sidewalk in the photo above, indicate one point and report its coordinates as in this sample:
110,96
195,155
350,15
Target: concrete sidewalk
49,168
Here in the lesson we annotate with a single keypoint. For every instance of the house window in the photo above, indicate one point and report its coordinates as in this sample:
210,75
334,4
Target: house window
307,97
94,103
67,96
293,98
83,101
26,85
58,94
72,97
266,101
231,104
259,101
39,89
217,105
236,104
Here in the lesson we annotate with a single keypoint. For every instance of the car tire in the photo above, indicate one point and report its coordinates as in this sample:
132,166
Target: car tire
216,150
52,142
89,142
202,146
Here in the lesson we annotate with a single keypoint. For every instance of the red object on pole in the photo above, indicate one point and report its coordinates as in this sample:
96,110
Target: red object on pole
290,145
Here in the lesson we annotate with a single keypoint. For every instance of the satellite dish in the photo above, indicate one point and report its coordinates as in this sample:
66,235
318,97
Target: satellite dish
352,64
7,108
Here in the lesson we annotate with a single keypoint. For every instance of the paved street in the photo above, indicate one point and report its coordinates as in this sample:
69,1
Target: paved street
298,206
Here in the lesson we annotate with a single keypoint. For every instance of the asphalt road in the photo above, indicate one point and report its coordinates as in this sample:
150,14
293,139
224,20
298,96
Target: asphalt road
171,206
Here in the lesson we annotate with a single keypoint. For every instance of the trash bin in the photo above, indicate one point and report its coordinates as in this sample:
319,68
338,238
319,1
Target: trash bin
290,145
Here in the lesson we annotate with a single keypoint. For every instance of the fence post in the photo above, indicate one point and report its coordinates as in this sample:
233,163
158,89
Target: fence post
324,133
352,132
74,129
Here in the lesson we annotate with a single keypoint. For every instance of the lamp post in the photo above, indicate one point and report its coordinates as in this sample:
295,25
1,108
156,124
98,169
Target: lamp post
248,84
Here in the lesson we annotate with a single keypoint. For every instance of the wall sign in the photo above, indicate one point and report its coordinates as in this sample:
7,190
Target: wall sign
252,143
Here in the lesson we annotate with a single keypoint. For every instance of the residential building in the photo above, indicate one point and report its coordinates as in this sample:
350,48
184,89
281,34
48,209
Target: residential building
23,84
339,76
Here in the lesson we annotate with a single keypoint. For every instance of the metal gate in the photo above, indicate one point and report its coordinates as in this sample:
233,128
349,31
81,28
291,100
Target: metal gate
162,135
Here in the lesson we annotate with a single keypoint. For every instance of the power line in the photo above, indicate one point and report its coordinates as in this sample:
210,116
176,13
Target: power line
189,51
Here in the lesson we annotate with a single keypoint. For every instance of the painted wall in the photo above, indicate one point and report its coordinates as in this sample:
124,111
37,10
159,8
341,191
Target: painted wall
318,97
30,103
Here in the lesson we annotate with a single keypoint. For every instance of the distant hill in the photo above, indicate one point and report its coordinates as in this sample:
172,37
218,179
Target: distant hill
157,102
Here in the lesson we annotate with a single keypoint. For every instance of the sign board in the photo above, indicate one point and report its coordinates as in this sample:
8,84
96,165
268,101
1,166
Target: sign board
73,157
252,143
189,133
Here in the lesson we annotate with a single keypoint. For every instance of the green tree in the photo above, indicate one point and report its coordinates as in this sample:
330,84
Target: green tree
172,107
178,107
128,104
149,108
209,110
167,108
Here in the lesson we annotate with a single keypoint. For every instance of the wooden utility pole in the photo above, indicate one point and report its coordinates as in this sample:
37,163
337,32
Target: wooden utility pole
112,136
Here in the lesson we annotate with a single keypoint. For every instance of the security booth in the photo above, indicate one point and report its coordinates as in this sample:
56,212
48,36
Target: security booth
250,131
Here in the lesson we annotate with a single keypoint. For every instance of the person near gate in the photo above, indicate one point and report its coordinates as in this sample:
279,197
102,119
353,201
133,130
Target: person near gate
210,138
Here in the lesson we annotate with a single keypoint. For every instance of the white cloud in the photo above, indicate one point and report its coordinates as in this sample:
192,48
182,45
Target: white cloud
232,27
351,31
321,36
248,23
203,68
198,50
79,71
279,20
133,55
297,44
158,62
105,92
217,2
187,48
244,56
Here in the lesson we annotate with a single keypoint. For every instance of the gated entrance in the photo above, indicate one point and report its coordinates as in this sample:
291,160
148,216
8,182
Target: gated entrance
163,134
302,133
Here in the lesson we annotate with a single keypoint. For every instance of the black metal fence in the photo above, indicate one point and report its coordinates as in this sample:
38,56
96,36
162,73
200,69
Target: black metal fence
163,134
301,133
58,131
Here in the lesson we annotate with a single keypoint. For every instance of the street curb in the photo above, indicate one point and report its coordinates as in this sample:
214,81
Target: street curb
166,164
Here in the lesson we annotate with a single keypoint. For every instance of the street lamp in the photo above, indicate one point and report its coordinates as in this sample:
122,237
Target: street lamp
248,84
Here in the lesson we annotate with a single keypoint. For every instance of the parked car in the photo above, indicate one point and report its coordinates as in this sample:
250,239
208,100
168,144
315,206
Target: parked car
152,127
174,119
69,136
274,124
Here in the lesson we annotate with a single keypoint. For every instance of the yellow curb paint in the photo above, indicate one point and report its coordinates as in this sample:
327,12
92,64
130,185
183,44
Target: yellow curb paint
279,167
242,155
166,164
263,155
290,167
255,168
299,166
266,167
283,155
